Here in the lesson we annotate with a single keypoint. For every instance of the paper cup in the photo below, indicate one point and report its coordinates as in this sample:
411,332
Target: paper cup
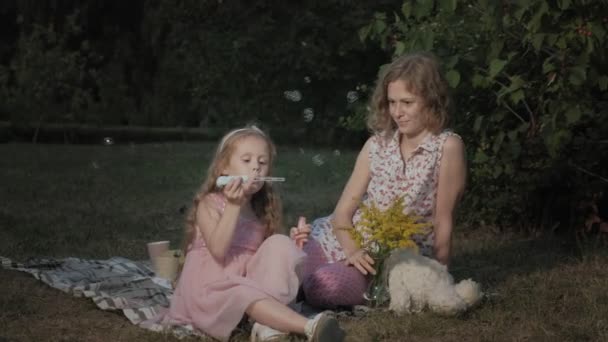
156,249
167,264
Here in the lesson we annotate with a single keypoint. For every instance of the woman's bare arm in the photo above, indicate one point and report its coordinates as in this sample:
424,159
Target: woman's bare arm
451,184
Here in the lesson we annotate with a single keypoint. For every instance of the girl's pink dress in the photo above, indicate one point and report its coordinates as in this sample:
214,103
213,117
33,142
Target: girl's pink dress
213,296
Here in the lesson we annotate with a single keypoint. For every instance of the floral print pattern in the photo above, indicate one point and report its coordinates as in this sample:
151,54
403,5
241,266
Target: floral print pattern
415,179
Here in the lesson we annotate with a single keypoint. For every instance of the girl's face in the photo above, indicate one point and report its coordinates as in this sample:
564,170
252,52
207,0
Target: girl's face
407,109
250,157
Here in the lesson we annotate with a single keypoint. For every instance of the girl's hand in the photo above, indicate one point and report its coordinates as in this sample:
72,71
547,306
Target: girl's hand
361,260
300,233
236,190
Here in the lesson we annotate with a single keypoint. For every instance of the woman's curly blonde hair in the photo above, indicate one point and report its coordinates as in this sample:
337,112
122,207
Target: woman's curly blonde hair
422,76
266,202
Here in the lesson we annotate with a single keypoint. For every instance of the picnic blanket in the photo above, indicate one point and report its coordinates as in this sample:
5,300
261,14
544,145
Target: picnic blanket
113,284
122,284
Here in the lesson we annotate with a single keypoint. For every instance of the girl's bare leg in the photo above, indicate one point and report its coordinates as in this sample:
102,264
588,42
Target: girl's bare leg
277,315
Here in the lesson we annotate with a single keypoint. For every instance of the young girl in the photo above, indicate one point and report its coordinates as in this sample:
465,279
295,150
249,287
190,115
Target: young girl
235,264
410,155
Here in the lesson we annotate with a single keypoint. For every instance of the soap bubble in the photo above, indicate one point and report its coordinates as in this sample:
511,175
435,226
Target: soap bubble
352,96
308,114
317,159
293,95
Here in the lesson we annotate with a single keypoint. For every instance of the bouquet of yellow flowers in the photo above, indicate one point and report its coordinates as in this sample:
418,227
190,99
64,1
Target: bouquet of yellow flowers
380,232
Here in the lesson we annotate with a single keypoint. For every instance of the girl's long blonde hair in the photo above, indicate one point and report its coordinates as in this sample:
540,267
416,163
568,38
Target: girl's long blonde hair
422,75
266,202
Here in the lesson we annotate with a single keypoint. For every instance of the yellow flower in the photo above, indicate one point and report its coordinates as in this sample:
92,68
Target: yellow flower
381,231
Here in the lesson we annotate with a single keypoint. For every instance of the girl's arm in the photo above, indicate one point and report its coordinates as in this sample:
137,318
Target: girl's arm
218,229
451,183
300,233
345,209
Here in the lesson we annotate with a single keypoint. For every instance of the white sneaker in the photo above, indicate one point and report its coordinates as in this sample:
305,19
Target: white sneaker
261,333
323,328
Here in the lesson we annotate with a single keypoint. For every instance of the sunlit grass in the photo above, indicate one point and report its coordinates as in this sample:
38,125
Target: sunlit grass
103,201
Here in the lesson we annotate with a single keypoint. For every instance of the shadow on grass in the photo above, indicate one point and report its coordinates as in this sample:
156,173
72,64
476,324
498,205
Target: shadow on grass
492,262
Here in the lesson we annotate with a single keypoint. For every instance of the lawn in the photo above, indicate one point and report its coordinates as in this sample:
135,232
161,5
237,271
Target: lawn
96,201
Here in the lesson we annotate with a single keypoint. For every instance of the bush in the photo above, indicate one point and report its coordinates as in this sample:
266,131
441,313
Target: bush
529,80
194,63
47,80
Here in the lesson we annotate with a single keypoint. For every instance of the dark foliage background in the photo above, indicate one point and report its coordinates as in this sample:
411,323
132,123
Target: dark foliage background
529,81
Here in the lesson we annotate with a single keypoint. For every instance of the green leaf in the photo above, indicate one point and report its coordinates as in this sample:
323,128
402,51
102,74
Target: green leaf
399,48
520,12
548,66
497,170
423,8
364,32
406,9
498,141
496,67
478,81
516,82
451,61
448,5
428,39
515,148
480,157
523,127
496,47
597,31
563,4
453,78
537,41
397,18
497,116
379,26
509,167
517,96
535,22
590,46
477,124
573,114
551,38
578,75
602,82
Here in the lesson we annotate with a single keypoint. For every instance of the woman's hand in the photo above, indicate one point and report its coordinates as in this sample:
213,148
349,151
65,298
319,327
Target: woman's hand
361,260
300,233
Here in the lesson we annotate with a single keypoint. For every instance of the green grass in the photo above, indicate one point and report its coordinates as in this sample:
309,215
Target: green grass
103,201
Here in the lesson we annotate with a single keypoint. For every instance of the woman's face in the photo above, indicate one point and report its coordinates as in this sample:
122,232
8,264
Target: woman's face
407,109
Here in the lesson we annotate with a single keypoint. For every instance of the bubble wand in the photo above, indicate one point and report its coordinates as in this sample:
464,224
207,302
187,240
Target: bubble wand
223,180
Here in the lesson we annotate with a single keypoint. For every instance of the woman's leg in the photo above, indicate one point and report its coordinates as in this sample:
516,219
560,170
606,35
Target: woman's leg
329,285
315,259
335,285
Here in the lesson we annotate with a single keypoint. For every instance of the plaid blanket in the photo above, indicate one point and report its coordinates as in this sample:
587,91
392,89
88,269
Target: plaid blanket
113,284
122,284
